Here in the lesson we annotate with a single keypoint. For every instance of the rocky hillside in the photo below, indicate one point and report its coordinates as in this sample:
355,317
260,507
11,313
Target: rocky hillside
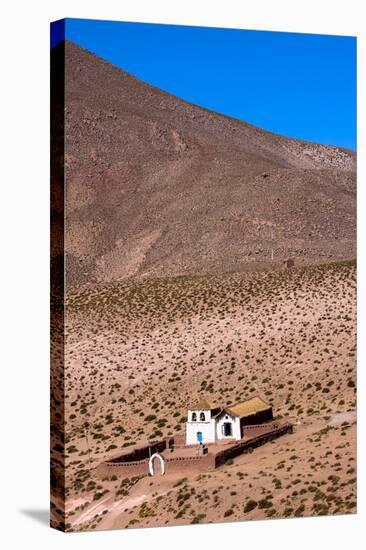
156,186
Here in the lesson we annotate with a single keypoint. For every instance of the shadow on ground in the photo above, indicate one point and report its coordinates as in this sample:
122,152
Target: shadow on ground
40,515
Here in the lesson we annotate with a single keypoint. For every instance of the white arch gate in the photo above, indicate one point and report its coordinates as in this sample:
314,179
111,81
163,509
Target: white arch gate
151,464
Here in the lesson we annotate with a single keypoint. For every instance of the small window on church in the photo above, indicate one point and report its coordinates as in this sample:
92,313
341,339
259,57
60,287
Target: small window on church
202,417
194,417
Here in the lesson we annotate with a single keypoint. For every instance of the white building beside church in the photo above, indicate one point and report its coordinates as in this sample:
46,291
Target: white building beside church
208,422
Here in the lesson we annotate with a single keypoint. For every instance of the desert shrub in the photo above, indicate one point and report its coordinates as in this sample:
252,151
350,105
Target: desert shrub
99,494
180,482
250,505
265,503
300,510
198,518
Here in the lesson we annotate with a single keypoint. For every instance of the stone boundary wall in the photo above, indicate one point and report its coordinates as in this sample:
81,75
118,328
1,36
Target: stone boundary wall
172,465
140,453
123,469
244,446
124,466
258,429
193,463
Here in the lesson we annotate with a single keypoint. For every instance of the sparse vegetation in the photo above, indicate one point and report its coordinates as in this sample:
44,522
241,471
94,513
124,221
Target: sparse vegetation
234,336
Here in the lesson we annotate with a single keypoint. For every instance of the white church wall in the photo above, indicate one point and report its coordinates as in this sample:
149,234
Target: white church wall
235,426
207,428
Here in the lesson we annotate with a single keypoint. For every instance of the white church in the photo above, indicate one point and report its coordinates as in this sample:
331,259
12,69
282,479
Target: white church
208,422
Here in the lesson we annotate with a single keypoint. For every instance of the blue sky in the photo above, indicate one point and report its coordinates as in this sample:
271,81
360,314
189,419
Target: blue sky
298,85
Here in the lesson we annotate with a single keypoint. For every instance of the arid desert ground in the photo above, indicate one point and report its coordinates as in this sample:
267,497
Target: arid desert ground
138,353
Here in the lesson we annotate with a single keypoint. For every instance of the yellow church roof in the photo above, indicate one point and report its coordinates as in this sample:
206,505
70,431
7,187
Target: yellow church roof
248,407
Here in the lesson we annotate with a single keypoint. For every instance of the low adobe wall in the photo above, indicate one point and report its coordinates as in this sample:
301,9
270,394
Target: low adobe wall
201,463
123,469
125,466
172,465
141,453
244,446
258,429
133,463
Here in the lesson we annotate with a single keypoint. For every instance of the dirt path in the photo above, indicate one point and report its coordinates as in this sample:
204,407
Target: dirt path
338,418
96,508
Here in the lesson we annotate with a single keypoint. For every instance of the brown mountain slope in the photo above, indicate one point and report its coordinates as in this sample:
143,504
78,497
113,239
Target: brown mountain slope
157,186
